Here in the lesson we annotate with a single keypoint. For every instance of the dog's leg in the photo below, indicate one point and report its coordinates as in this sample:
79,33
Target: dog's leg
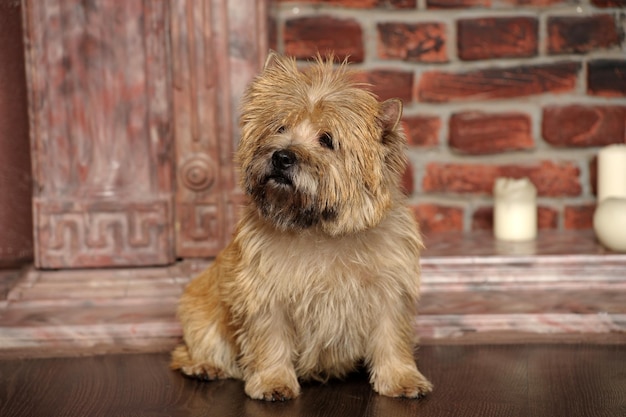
267,357
393,371
205,370
209,350
206,355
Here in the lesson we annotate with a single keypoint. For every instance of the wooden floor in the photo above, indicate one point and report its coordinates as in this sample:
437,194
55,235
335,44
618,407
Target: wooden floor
509,380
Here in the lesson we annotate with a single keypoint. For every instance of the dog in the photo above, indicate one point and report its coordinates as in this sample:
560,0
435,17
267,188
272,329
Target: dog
322,274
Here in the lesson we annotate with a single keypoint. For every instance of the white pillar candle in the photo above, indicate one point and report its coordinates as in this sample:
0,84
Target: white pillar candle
612,172
515,209
609,223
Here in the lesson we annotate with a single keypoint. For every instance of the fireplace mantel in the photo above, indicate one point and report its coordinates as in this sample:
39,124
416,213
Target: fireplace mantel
563,286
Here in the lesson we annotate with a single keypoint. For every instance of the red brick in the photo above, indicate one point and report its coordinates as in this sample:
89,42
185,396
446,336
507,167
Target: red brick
578,217
593,175
466,4
606,77
422,131
580,34
497,37
482,133
609,3
457,4
415,42
583,126
305,37
497,83
435,218
389,83
552,179
482,218
547,218
534,3
360,4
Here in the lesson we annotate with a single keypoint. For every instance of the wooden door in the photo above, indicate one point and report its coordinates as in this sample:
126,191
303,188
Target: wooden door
133,109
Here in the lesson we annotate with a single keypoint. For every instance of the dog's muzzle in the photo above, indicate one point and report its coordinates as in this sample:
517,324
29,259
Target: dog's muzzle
282,162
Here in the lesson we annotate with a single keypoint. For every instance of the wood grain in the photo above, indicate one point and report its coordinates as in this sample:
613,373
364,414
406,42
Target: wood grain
513,380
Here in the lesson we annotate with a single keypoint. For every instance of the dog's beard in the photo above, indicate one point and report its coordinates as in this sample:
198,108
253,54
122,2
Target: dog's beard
280,200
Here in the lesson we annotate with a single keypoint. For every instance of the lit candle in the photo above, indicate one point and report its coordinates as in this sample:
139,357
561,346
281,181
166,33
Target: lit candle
515,209
612,172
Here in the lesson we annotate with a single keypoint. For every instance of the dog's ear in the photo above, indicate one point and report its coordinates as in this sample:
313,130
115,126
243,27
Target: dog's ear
390,114
271,60
393,138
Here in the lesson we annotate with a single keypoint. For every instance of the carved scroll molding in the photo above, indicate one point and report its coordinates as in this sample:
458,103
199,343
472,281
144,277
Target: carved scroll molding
217,47
110,233
100,112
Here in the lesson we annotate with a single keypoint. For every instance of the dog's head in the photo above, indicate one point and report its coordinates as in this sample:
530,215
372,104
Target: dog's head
317,150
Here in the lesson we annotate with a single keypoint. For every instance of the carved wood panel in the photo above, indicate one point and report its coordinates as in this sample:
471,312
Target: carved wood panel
100,113
217,47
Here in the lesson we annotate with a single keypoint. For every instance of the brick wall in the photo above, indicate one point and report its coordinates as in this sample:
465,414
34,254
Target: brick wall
491,88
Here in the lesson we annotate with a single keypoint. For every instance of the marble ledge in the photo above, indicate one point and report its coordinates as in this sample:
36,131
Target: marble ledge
474,288
551,246
439,327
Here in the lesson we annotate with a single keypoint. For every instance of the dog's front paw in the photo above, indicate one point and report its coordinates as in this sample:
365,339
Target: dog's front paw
205,372
410,385
270,386
282,393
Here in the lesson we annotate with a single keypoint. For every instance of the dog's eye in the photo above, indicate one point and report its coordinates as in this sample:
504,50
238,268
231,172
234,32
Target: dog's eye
326,140
281,130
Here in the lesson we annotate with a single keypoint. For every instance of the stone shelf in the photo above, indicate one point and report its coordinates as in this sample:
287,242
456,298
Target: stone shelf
475,289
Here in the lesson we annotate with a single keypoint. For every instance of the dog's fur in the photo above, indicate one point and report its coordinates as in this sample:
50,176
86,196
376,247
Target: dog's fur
323,270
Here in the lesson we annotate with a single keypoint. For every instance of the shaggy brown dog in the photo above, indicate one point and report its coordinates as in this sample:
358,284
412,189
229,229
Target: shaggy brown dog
323,270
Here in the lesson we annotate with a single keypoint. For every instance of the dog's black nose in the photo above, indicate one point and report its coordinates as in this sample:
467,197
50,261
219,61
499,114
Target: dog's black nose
283,159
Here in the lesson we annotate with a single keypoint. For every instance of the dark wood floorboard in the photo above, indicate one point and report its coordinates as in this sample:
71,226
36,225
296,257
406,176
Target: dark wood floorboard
481,381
